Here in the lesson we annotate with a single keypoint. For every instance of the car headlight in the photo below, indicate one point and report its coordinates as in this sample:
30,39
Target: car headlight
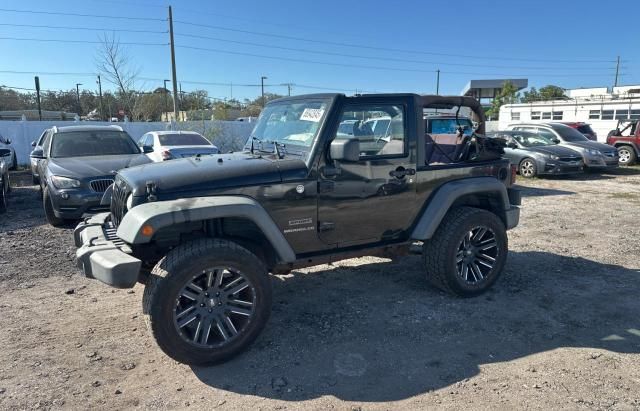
594,152
130,202
65,182
554,157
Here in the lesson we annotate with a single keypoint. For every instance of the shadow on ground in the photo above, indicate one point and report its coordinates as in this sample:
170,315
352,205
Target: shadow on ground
378,333
542,192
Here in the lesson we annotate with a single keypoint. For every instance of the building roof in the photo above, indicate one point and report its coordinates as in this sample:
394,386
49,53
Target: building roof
493,84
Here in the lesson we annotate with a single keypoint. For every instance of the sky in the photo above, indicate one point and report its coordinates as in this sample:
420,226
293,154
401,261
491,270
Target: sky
349,46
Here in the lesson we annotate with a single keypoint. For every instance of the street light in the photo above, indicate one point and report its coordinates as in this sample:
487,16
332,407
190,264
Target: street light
262,79
166,98
78,94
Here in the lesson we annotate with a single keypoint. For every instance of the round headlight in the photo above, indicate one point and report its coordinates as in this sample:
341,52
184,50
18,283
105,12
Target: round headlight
130,202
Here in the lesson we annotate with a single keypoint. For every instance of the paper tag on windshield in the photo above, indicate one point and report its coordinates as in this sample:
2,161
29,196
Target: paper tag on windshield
312,114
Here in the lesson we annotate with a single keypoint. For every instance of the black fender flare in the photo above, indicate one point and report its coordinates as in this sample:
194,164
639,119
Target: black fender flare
160,214
445,196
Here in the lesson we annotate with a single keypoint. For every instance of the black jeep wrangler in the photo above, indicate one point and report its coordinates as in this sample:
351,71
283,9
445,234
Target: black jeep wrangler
324,177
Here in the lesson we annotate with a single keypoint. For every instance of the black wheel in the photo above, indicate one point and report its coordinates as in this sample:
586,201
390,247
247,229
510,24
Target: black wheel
207,300
528,168
626,155
14,164
35,180
48,210
467,252
3,195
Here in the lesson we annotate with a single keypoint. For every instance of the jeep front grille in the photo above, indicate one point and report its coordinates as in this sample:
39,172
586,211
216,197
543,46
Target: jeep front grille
121,191
101,185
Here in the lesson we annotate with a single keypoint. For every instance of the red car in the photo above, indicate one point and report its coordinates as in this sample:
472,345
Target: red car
584,128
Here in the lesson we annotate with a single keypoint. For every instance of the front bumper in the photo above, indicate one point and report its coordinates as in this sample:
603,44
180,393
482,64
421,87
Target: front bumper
103,256
559,167
601,162
512,215
77,203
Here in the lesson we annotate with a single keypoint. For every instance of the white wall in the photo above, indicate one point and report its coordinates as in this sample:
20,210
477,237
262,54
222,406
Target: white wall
227,135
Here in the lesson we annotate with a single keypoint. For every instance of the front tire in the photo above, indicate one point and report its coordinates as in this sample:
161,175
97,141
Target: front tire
48,210
207,300
467,253
528,168
626,155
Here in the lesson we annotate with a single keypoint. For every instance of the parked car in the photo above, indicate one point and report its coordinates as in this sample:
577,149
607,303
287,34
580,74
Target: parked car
596,156
626,138
584,128
37,144
12,159
77,165
534,154
216,226
5,184
169,145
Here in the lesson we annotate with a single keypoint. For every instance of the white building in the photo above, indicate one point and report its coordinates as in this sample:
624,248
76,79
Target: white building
600,107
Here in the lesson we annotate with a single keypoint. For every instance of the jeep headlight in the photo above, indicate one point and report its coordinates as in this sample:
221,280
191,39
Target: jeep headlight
65,182
130,202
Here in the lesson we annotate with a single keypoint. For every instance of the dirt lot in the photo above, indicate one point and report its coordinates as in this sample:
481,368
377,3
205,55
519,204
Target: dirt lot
561,330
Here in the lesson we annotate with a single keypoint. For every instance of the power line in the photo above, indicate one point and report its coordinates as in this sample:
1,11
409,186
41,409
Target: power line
47,73
378,58
56,13
361,46
80,41
83,28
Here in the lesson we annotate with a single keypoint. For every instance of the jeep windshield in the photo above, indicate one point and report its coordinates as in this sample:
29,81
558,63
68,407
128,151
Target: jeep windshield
289,123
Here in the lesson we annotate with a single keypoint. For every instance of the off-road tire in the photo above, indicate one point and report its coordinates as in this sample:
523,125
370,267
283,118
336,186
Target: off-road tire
439,252
632,157
176,269
48,210
528,168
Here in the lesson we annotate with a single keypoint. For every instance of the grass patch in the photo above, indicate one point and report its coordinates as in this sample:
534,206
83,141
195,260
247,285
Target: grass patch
625,196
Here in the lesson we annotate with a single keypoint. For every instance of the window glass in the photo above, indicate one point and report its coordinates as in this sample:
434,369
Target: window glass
557,115
635,115
92,143
142,140
46,143
546,115
361,122
183,140
622,114
594,114
571,134
607,114
546,134
535,115
515,115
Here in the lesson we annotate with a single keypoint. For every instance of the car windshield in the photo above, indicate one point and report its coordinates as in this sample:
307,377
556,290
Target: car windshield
449,126
585,129
570,134
532,140
294,122
92,143
183,140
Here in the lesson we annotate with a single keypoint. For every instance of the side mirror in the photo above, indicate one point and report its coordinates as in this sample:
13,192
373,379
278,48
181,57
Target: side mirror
33,144
345,150
147,149
8,141
555,140
37,153
5,152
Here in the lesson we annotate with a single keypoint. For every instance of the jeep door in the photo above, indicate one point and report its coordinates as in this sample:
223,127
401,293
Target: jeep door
372,199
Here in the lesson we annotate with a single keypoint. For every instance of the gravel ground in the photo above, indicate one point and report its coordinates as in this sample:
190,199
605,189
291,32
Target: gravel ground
560,330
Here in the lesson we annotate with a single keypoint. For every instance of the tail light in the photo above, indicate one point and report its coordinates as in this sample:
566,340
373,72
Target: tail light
514,173
166,155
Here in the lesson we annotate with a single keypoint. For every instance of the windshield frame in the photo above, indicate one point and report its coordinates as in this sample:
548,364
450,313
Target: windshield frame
134,146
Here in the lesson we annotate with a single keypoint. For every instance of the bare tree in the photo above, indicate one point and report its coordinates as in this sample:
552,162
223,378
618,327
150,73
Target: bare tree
114,63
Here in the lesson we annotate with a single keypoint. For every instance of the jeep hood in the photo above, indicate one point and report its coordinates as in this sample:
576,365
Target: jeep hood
93,166
200,176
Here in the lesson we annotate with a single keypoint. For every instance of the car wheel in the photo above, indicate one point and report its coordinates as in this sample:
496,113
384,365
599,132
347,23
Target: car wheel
207,300
3,197
467,253
35,180
528,168
14,164
8,183
626,155
48,210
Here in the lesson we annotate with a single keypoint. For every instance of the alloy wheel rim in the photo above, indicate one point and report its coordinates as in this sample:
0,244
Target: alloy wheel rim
214,307
624,156
476,255
526,169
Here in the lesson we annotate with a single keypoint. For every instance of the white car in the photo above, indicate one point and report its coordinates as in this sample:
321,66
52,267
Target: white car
12,160
169,145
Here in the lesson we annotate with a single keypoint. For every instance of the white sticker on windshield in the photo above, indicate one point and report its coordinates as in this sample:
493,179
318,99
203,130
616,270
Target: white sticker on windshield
312,114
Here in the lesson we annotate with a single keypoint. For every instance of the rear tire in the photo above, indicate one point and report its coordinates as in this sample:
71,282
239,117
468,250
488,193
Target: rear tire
48,210
528,168
467,253
192,310
627,155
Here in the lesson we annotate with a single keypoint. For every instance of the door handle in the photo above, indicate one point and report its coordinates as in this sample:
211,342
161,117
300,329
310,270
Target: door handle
400,172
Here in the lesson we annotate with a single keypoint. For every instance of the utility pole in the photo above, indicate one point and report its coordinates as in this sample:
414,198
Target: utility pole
231,85
78,94
615,83
166,100
173,66
180,101
289,85
438,82
100,94
38,97
262,79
